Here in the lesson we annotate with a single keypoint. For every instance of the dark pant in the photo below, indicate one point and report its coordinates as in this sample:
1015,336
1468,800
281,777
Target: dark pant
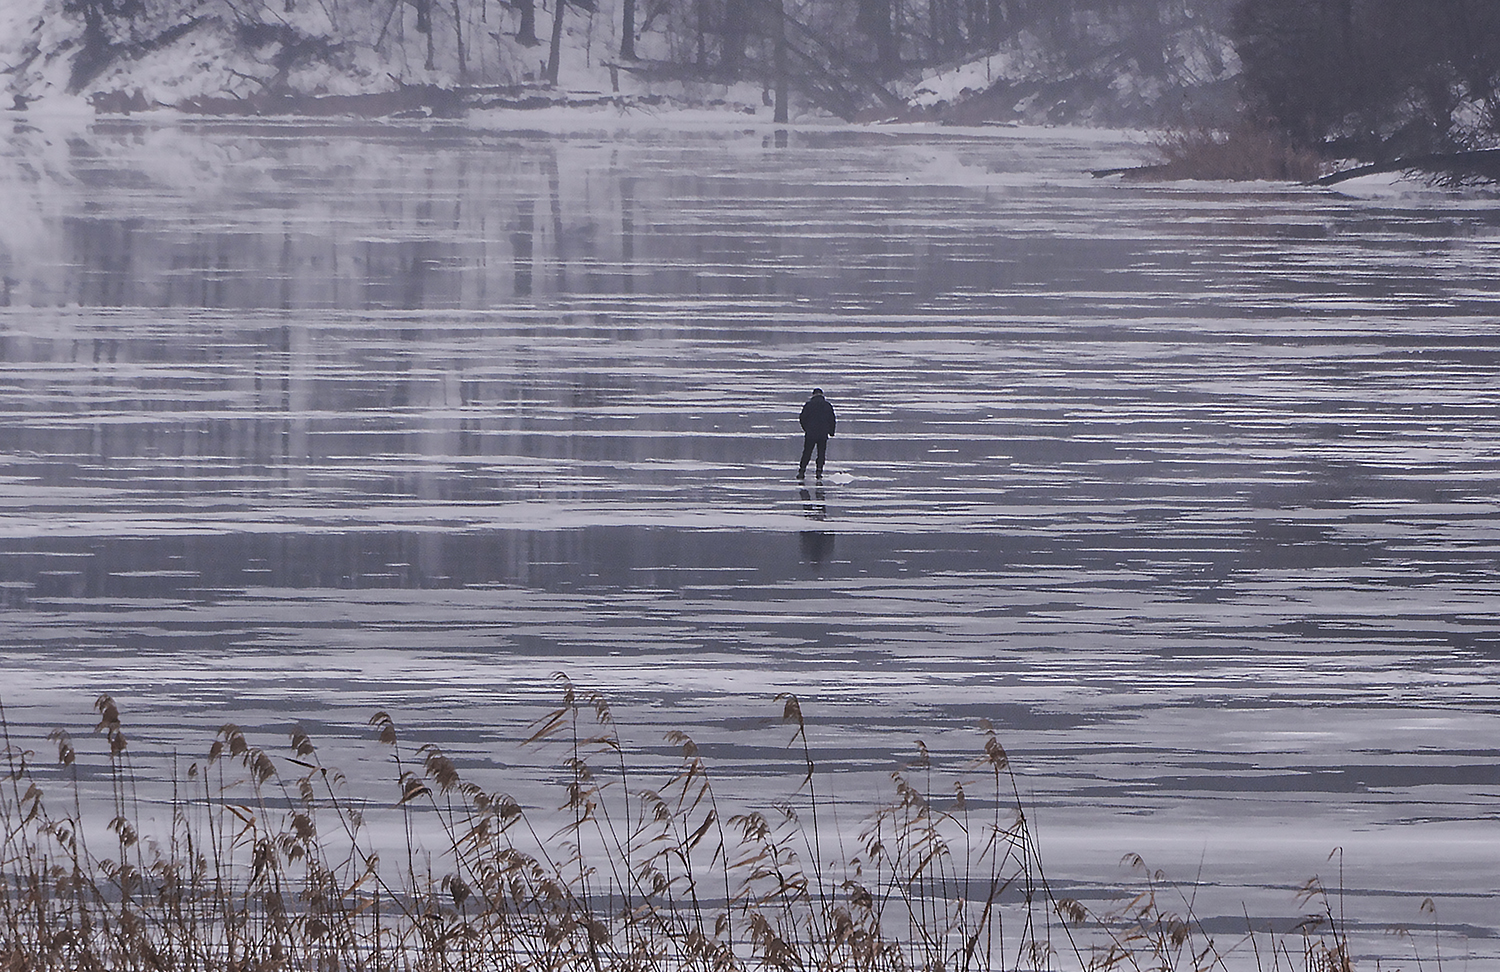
808,442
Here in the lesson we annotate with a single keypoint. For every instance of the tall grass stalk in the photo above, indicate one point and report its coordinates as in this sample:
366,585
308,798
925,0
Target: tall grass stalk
1243,151
266,862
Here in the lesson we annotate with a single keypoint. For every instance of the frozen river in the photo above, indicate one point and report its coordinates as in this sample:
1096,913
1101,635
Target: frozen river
1192,490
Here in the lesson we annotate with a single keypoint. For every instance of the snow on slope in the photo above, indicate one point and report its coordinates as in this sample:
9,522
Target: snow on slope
210,48
1123,69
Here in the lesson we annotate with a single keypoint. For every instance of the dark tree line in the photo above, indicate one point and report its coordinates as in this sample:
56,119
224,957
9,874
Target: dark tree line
1373,79
101,23
840,50
1365,78
888,37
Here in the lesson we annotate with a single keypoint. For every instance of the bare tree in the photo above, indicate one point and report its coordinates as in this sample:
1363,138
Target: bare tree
874,19
627,30
1373,78
554,53
733,33
458,39
526,33
101,18
779,60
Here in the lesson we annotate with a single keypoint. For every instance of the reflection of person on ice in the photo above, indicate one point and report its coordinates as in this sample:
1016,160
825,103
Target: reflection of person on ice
818,422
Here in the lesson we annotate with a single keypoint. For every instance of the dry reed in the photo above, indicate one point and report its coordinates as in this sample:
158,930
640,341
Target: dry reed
267,864
1244,151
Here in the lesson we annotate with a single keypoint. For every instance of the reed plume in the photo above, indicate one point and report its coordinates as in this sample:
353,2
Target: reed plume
266,862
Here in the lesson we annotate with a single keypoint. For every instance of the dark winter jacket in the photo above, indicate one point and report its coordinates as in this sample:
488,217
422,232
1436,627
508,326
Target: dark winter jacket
817,417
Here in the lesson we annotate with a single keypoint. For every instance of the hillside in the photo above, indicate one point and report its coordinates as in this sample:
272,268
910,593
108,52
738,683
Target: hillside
1099,63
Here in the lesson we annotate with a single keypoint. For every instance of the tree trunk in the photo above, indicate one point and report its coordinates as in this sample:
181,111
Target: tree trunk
874,18
424,26
96,52
458,37
937,28
526,34
735,28
700,26
627,30
779,60
996,19
975,29
554,53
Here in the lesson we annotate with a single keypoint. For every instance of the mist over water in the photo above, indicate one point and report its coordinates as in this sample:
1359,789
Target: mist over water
1191,490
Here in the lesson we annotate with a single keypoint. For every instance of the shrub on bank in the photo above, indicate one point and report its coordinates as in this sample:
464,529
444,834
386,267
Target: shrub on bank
1244,152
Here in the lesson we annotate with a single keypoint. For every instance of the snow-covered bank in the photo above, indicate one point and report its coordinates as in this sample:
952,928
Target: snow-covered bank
349,57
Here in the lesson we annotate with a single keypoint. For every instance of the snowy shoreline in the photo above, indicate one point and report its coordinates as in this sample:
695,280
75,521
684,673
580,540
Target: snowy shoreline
338,58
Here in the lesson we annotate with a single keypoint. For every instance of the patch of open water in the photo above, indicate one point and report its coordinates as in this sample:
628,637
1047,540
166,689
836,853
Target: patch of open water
1193,491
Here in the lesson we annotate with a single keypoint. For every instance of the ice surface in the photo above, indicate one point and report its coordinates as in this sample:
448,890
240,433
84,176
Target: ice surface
1190,491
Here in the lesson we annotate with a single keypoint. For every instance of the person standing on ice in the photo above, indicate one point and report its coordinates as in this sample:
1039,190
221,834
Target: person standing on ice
818,422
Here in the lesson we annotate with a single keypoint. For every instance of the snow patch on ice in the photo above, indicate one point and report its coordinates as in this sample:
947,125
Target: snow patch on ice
1400,188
